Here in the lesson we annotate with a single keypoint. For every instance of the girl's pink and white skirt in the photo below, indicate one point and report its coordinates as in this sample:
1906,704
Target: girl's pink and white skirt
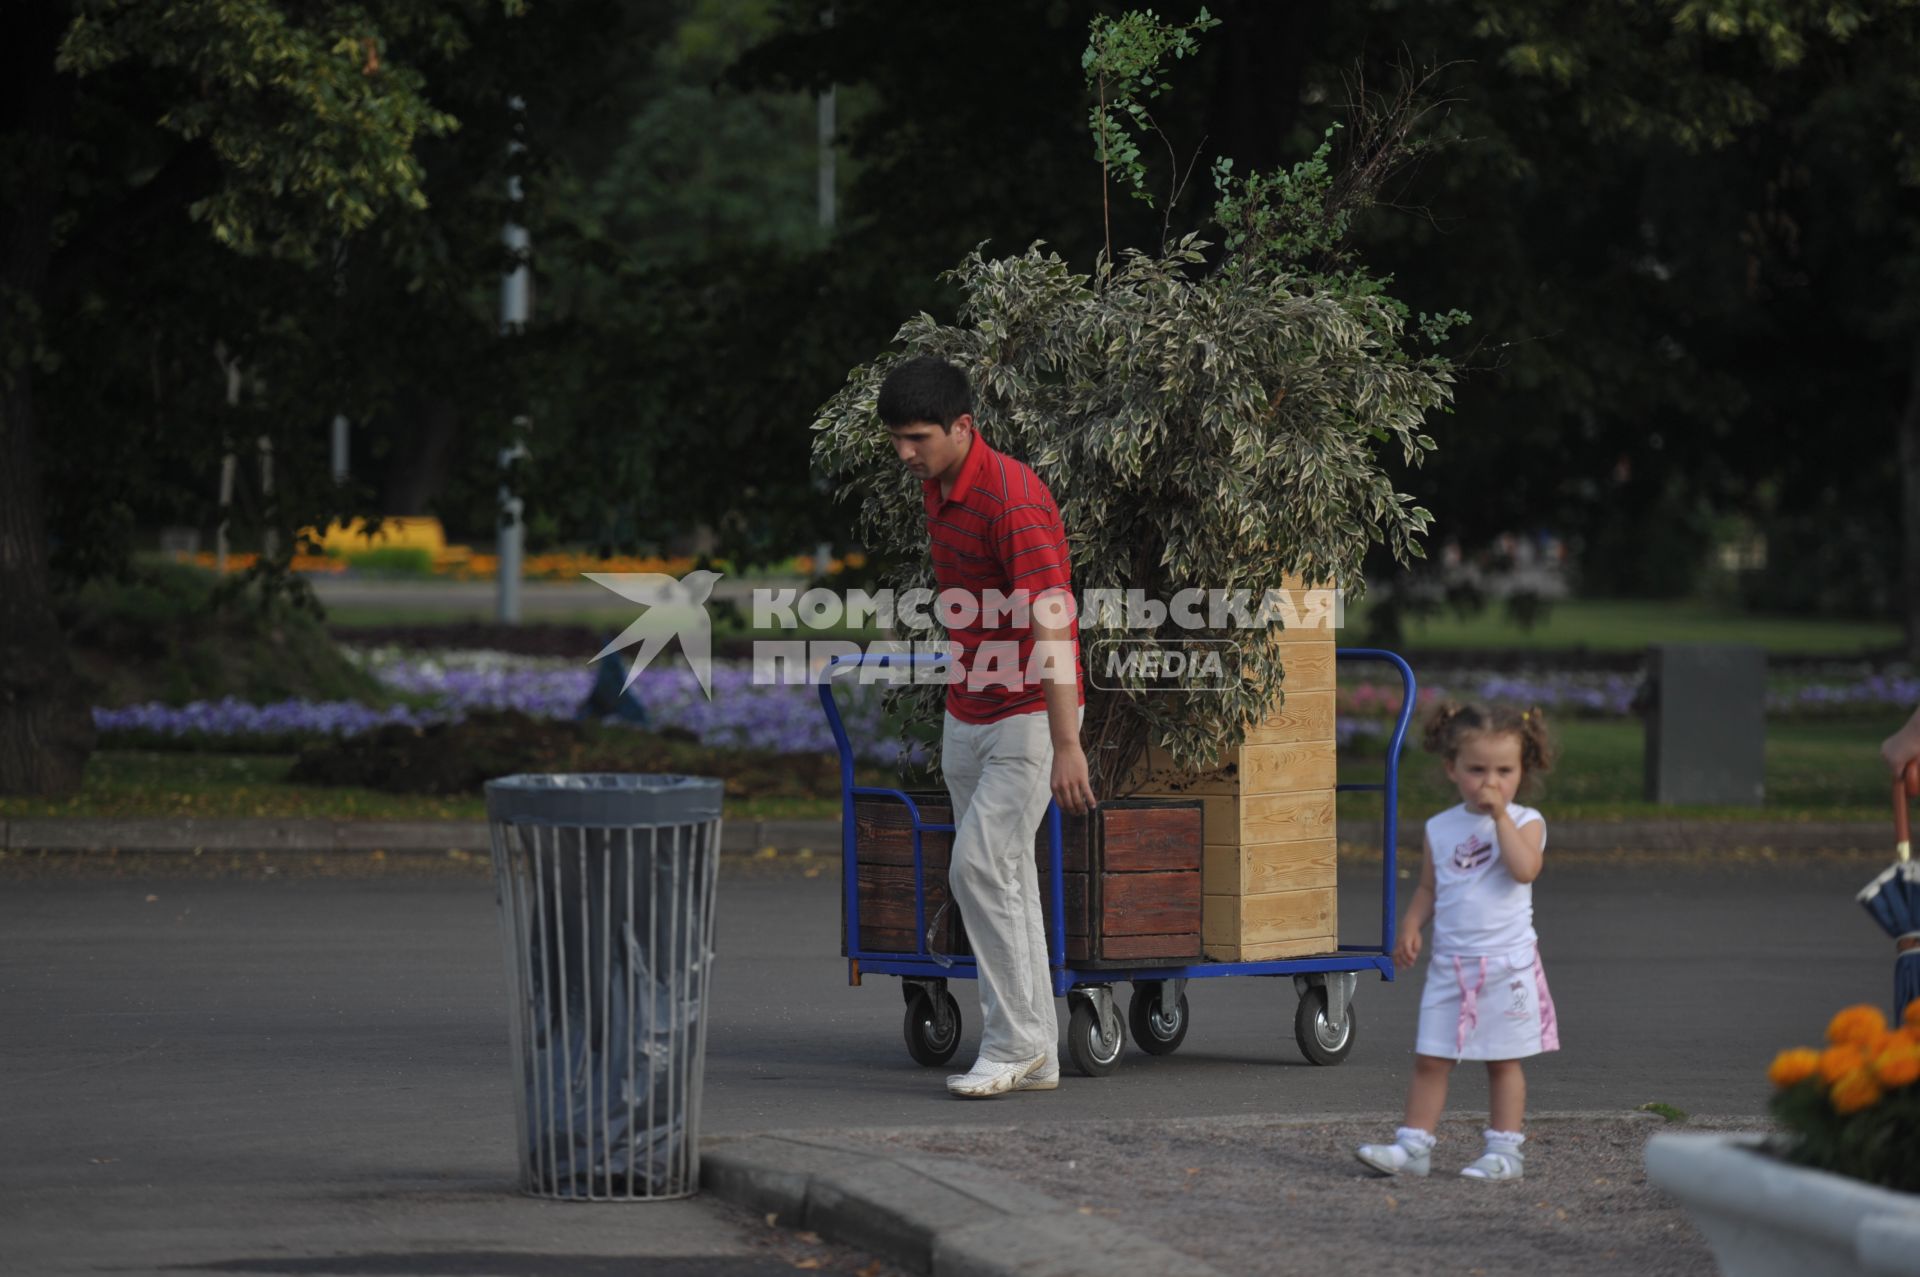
1494,1008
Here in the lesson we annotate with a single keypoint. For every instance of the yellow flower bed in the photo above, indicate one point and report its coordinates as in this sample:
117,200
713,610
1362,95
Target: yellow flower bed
340,544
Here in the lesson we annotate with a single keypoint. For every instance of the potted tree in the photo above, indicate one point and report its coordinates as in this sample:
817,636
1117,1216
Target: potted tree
1213,415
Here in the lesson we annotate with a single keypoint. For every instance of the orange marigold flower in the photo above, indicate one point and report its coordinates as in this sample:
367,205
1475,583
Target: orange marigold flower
1855,1091
1897,1066
1912,1018
1860,1025
1838,1061
1790,1068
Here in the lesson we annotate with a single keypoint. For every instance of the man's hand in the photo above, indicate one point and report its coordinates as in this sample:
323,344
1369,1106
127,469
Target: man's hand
1903,746
1072,787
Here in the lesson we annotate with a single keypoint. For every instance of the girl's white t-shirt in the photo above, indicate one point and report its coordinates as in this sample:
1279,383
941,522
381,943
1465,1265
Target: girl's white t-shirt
1478,908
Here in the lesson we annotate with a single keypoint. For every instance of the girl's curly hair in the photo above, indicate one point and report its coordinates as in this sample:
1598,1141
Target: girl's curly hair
1451,723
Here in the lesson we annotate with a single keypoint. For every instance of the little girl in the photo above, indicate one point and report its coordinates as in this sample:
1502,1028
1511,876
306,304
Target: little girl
1486,996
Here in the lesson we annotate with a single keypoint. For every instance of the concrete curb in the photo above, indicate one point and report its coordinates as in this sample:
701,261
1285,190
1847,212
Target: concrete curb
190,835
932,1215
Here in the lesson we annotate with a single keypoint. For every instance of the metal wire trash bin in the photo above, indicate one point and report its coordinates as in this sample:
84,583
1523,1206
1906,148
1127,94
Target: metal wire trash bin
606,890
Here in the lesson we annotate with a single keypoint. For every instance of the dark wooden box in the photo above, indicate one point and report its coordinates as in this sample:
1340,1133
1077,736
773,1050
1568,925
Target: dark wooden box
1130,877
883,855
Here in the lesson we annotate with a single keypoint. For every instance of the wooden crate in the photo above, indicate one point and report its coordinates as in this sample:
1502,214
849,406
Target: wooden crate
1131,874
1131,878
1268,870
883,871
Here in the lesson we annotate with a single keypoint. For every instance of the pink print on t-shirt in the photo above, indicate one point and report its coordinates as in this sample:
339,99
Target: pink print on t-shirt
1472,853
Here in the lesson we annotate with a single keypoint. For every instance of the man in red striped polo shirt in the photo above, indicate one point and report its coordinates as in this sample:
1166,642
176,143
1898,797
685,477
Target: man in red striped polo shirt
1011,738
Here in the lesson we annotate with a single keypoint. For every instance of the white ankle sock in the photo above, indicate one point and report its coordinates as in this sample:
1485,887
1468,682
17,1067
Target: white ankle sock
1503,1141
1414,1139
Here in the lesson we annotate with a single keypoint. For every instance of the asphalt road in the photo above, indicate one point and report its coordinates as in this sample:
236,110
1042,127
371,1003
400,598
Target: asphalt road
242,1076
1674,984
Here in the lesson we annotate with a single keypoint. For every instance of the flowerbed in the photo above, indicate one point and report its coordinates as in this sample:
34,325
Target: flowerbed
444,687
461,563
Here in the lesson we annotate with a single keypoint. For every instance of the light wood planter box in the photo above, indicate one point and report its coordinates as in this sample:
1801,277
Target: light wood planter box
1268,868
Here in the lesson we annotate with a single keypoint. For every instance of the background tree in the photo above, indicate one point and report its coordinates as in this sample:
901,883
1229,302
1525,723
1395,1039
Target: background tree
1685,233
278,130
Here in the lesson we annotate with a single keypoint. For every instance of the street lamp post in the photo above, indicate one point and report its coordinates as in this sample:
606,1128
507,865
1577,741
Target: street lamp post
516,304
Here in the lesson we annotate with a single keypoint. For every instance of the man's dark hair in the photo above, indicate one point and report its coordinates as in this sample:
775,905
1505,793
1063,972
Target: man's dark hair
924,388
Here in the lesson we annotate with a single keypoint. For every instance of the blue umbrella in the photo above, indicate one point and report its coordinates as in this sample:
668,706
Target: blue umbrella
1894,897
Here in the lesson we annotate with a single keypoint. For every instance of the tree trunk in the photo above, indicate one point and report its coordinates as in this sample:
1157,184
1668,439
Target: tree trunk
416,479
1910,509
46,727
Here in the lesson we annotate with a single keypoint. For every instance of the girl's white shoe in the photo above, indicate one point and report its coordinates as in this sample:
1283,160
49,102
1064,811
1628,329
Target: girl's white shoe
1496,1165
1409,1154
1502,1160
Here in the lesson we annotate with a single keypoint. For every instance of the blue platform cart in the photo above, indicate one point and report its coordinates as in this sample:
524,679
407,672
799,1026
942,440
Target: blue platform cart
1324,1022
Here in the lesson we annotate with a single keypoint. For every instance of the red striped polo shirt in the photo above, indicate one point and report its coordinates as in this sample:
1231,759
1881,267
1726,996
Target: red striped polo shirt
997,531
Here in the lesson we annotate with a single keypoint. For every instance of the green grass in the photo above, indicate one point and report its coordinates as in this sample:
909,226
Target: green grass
1666,1112
128,784
1827,770
1631,624
1596,624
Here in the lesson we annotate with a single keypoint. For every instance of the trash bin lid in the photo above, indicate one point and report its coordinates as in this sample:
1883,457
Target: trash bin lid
604,799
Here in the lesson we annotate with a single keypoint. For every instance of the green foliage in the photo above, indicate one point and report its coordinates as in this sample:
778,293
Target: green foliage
314,134
1665,1112
1123,63
1284,216
392,560
1874,1144
1214,429
170,633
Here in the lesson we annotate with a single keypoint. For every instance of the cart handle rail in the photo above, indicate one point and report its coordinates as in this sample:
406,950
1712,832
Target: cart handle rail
849,870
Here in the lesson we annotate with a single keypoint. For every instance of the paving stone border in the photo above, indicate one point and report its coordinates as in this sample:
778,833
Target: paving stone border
933,1215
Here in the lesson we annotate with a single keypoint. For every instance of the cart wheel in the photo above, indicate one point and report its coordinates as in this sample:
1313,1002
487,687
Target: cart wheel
925,1042
1157,1028
1317,1039
1095,1048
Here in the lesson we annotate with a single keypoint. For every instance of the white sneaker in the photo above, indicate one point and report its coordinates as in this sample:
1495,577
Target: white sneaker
1044,1078
1496,1164
989,1078
1410,1153
1394,1159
